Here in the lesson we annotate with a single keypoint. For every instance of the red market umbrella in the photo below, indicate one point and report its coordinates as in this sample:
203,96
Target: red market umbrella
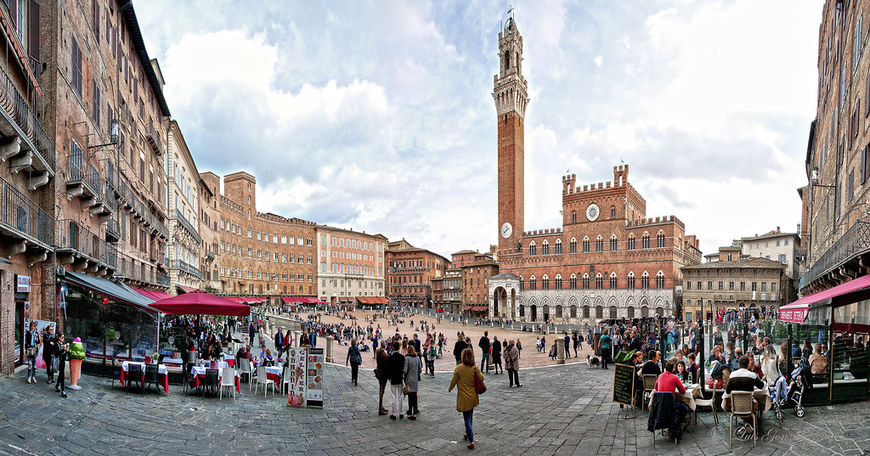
200,303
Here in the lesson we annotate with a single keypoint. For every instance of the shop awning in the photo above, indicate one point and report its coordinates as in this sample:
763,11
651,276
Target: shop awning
187,289
110,289
797,311
201,303
153,294
372,300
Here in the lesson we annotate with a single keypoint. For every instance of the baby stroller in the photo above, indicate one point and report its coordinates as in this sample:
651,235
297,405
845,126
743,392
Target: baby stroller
789,391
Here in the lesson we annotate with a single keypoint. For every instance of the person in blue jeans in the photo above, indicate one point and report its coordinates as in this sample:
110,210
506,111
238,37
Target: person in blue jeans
484,345
31,348
604,346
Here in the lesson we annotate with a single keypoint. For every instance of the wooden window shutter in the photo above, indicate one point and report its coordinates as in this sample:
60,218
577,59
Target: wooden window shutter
863,164
33,30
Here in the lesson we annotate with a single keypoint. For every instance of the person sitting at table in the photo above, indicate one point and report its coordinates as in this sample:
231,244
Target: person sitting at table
651,367
717,355
681,372
743,379
670,383
268,361
754,367
692,367
818,363
637,362
738,352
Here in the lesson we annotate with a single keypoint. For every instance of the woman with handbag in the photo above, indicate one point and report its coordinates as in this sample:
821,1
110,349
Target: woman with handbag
413,368
468,380
31,348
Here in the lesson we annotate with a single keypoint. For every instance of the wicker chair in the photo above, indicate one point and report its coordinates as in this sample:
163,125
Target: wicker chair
707,403
649,383
742,406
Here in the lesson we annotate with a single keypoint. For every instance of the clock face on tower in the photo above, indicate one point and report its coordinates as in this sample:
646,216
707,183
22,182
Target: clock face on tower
592,212
506,230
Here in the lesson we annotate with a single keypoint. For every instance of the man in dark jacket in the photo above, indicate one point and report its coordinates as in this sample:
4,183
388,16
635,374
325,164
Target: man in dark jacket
484,348
48,351
396,374
496,355
457,349
381,374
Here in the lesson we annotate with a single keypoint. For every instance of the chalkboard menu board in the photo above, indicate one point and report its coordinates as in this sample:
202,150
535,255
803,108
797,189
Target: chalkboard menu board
623,383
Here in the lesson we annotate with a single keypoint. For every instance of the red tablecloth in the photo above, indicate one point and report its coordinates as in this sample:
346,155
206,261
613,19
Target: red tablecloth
161,375
197,379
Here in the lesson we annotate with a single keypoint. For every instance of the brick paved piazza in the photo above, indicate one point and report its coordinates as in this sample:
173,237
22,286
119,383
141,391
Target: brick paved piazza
559,410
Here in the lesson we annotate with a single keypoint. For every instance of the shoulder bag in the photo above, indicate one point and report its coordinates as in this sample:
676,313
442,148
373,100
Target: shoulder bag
479,386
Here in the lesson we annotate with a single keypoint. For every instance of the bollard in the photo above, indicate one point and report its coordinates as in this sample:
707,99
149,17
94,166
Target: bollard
560,351
329,351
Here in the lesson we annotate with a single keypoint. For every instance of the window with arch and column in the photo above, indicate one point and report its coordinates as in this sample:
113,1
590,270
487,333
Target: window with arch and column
630,312
660,280
612,211
613,243
613,312
545,282
558,247
599,312
573,283
558,311
660,239
599,281
533,249
586,281
631,241
573,216
586,244
644,280
573,246
585,311
573,313
558,282
645,241
545,247
532,283
613,280
599,244
630,282
522,284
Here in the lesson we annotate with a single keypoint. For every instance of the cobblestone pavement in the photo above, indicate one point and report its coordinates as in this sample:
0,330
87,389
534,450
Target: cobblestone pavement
560,410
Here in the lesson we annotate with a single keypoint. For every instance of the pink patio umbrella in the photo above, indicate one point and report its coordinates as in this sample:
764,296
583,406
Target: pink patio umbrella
200,303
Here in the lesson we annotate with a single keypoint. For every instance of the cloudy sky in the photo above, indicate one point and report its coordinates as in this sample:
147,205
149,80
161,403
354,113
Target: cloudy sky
378,115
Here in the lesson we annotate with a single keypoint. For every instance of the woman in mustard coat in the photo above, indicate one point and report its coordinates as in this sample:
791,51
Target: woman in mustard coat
466,394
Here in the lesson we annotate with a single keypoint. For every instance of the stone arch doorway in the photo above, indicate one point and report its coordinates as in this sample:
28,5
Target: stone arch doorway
534,309
522,311
499,298
546,312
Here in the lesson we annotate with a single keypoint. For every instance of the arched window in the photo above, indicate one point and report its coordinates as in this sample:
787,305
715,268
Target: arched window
573,312
613,280
558,247
630,312
599,281
522,284
585,311
573,246
573,216
532,283
630,282
645,240
612,211
660,239
533,249
586,281
599,244
586,244
613,312
558,311
660,280
545,247
631,241
599,312
558,281
545,282
573,283
644,280
613,243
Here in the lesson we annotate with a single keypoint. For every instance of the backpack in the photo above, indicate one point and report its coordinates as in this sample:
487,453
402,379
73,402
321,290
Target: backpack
432,353
355,356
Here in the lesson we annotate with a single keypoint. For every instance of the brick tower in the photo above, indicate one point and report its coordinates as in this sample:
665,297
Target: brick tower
511,98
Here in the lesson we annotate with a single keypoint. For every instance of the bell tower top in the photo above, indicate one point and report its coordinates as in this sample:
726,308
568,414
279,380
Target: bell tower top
509,85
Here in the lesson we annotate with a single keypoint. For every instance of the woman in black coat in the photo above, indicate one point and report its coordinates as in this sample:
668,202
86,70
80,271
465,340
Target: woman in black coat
496,355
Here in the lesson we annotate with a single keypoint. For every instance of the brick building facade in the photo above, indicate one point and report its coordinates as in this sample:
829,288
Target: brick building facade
608,260
263,254
209,216
409,273
351,264
475,286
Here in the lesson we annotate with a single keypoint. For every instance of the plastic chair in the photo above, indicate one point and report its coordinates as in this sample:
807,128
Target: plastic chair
742,406
151,374
649,384
228,379
262,379
245,369
134,374
707,403
211,380
285,381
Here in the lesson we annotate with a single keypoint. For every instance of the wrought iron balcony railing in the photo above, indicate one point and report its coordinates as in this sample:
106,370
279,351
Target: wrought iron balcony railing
24,217
855,241
18,108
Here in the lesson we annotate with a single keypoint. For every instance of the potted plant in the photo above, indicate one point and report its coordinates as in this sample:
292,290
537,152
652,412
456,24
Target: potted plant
76,356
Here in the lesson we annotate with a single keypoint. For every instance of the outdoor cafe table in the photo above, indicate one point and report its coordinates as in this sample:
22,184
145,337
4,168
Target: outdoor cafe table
161,374
197,376
761,396
688,398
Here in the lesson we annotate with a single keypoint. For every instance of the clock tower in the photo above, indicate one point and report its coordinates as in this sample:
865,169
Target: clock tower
511,98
